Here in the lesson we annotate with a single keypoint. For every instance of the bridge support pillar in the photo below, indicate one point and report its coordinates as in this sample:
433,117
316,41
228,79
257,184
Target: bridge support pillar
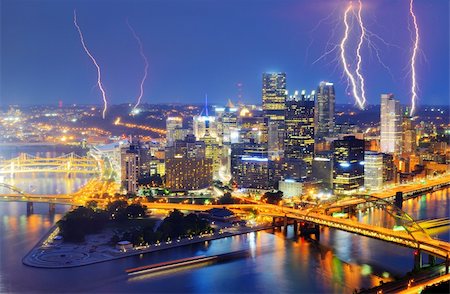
51,208
285,223
274,221
317,232
295,228
399,199
417,260
30,208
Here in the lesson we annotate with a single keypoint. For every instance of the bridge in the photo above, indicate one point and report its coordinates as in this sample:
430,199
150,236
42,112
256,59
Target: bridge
408,190
67,163
413,236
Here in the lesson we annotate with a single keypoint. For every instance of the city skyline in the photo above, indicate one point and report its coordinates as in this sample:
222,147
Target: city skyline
201,51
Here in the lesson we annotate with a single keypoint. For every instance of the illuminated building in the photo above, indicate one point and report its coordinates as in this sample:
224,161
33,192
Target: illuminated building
175,130
389,169
409,137
274,95
373,170
288,168
130,166
187,167
324,111
299,128
274,104
213,151
253,128
322,170
204,122
290,188
250,166
391,125
227,123
348,165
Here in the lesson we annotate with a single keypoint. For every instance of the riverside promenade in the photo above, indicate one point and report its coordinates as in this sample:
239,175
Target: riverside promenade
50,253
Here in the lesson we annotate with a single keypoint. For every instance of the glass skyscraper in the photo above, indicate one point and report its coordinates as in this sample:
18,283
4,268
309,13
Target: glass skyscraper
391,125
324,112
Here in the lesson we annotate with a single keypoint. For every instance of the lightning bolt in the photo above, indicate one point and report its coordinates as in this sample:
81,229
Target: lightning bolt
99,75
358,54
413,59
350,76
141,52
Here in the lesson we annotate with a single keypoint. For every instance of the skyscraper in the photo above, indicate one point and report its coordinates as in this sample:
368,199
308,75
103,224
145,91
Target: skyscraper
274,95
250,166
409,137
274,104
130,166
173,124
324,110
299,128
391,125
348,164
373,170
187,167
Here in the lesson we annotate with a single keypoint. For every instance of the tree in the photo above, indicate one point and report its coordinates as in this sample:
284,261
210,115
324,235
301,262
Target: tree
117,208
135,210
272,197
226,199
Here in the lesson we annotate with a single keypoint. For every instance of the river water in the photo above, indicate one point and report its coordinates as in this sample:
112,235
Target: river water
341,262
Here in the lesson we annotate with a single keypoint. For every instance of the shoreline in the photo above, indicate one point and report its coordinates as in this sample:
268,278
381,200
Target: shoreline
54,258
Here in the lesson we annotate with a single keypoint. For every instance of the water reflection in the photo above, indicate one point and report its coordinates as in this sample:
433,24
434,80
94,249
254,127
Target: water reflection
341,262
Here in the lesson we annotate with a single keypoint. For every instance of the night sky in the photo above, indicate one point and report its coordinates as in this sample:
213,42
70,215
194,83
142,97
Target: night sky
198,47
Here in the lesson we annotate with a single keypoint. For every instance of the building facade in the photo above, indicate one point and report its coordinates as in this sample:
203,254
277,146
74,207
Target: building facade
324,110
299,128
274,95
348,165
187,167
373,170
391,125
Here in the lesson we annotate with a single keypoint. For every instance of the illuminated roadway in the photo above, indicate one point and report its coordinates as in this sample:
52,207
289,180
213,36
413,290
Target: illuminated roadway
407,189
416,241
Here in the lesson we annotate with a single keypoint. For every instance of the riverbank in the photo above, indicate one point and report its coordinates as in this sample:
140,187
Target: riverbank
47,253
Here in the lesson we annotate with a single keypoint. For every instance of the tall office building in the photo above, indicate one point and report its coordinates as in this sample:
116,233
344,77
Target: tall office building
373,170
409,145
389,169
274,95
130,166
348,165
187,167
391,125
175,130
322,170
250,166
299,128
274,104
324,110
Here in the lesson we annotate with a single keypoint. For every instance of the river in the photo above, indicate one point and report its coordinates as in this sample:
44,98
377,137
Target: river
341,262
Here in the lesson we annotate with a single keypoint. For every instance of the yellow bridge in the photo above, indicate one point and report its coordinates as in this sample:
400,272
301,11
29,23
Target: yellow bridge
67,163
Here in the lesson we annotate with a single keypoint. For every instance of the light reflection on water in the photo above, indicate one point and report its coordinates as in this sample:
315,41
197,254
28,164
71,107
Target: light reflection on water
341,262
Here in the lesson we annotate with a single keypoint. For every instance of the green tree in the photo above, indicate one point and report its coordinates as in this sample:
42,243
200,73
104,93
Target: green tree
272,197
135,210
226,199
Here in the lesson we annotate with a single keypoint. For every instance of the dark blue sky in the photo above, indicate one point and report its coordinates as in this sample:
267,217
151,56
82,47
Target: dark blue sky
198,47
